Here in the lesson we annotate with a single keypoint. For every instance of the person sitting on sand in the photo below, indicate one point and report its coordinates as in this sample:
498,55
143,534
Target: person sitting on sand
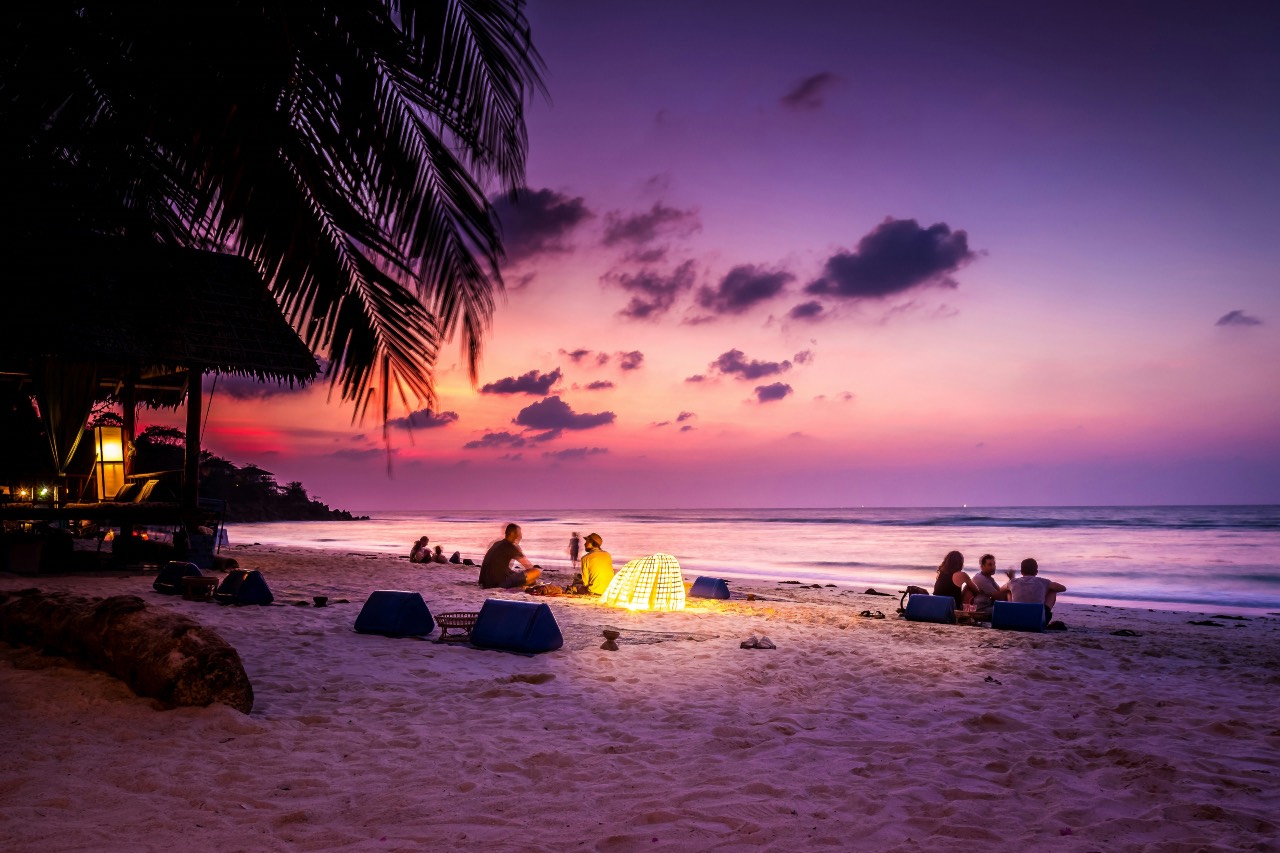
597,566
1033,589
952,581
495,568
438,556
988,590
421,552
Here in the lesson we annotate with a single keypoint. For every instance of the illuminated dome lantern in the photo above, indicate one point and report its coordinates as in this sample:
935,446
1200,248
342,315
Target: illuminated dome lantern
650,583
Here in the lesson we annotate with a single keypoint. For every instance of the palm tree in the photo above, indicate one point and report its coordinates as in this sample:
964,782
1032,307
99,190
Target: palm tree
348,148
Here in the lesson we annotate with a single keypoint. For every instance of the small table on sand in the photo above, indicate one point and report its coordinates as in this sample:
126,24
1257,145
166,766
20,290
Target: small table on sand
198,588
460,622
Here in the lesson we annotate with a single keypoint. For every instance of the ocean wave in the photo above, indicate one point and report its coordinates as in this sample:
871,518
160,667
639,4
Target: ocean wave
972,521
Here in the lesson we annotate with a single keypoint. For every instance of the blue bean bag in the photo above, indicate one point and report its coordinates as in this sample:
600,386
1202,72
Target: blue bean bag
244,586
705,587
169,581
395,613
931,608
516,626
1012,616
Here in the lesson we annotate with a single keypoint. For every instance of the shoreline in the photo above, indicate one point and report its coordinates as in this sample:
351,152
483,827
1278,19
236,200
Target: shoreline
694,567
880,734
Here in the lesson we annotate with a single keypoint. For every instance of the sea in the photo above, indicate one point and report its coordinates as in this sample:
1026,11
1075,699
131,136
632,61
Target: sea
1193,558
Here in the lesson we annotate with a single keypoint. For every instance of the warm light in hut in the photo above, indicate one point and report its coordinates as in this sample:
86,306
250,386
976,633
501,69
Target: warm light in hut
109,442
650,583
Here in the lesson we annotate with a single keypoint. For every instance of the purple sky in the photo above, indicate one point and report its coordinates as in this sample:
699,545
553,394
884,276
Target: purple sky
917,253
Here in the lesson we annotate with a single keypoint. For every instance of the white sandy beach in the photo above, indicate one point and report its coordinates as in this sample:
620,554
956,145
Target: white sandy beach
854,734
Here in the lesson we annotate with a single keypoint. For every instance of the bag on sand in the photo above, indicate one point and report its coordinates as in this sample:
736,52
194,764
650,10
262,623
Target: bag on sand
545,589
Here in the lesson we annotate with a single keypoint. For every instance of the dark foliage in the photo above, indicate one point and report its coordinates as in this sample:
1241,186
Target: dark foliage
345,147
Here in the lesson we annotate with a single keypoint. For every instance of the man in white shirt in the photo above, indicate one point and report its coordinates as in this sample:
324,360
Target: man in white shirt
1032,589
989,590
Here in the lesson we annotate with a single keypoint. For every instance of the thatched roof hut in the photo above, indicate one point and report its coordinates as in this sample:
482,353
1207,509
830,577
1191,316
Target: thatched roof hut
100,317
154,311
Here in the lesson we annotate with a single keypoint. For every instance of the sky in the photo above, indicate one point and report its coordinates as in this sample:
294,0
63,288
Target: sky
872,254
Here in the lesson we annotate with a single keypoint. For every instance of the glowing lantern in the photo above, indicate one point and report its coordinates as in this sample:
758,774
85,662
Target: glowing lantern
650,583
109,442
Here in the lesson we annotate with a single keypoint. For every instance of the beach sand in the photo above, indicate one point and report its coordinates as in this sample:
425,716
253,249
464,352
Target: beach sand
854,734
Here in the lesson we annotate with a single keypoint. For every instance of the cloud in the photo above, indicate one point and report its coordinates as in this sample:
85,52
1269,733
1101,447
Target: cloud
554,414
600,385
803,357
423,419
511,457
570,453
811,310
661,424
648,256
776,391
495,439
743,287
653,294
810,93
640,229
537,222
685,416
578,356
895,256
734,363
658,183
532,382
687,428
356,455
1238,318
697,377
630,360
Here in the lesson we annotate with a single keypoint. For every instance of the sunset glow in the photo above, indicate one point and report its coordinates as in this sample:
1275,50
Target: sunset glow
852,258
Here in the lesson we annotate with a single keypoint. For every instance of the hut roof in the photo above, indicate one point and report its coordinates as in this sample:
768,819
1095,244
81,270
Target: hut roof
147,308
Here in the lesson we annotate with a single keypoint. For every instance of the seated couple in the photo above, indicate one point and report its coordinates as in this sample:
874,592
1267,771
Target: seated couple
496,571
982,590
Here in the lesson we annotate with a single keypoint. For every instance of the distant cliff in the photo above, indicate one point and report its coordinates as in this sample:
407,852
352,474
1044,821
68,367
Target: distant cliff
251,493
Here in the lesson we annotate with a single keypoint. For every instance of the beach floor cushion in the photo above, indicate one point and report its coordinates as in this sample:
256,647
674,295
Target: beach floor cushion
516,626
244,586
931,608
1012,616
169,581
395,613
705,587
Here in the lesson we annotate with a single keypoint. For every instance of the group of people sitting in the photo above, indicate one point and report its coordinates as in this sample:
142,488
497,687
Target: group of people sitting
596,565
978,594
423,553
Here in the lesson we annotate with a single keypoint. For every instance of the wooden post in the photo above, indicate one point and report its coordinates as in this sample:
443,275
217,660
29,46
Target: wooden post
191,473
129,411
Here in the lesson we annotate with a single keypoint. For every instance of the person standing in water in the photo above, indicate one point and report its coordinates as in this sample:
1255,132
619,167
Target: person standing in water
575,544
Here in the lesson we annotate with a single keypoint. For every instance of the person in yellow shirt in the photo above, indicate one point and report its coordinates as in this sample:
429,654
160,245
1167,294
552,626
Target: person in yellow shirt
597,565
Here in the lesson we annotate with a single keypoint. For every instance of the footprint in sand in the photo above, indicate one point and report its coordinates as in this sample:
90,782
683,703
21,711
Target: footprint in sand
534,678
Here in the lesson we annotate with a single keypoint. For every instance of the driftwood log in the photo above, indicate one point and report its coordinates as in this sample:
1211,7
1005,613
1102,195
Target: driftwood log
158,653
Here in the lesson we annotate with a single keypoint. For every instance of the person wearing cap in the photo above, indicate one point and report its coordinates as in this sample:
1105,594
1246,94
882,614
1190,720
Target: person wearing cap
597,565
